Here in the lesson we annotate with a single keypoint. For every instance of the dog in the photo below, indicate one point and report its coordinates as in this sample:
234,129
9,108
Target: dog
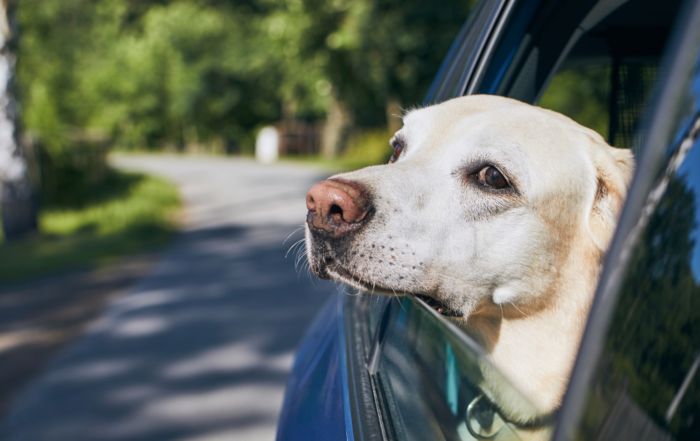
498,213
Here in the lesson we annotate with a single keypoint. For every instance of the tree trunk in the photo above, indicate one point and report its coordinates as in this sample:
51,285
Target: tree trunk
394,115
334,133
17,202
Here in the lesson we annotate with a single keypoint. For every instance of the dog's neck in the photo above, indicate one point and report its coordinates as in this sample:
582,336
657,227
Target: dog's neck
534,346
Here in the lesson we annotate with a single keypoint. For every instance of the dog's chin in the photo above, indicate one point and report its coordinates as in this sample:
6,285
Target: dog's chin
334,271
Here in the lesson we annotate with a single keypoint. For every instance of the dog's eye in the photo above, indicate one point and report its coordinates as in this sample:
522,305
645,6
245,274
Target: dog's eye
491,177
397,144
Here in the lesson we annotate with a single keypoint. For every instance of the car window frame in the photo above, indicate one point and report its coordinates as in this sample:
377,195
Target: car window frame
448,82
684,37
370,413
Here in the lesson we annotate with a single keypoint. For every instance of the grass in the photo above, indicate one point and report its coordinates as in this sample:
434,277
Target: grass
128,213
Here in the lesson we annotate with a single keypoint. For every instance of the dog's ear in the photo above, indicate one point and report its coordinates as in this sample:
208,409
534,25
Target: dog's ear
614,168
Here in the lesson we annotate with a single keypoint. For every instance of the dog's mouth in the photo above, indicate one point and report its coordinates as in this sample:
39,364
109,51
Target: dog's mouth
438,306
334,267
345,276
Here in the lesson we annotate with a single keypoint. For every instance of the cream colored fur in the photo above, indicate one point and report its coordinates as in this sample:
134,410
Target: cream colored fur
520,267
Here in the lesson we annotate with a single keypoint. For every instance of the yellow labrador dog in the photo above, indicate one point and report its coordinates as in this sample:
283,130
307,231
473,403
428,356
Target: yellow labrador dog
497,213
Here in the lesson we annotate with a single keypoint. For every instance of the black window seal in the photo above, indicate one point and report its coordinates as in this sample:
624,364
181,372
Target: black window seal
490,49
675,65
468,74
366,416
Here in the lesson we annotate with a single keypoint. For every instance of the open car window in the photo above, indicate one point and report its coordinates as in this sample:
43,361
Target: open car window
645,383
463,56
427,377
605,81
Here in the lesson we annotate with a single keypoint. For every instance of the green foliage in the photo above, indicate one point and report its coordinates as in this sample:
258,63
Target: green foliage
366,148
582,95
150,76
370,147
163,74
125,214
125,201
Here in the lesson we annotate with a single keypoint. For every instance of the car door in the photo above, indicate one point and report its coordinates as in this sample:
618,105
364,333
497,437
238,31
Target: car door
636,376
637,381
390,368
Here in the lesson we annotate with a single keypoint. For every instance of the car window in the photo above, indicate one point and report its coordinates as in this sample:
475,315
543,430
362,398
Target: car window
582,94
646,384
464,53
550,44
429,380
609,98
605,81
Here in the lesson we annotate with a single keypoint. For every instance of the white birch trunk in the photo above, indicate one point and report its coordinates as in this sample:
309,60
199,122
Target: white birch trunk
16,196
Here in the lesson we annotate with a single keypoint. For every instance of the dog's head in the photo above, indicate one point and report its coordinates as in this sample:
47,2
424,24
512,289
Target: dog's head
486,201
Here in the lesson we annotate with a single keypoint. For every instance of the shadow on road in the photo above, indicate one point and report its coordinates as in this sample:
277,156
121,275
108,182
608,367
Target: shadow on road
38,318
199,350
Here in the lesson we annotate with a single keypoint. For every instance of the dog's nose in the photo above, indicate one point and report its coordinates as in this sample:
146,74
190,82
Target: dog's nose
337,207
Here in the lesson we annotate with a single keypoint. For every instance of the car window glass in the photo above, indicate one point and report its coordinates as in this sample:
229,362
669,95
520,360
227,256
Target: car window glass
510,48
582,94
605,82
609,98
374,310
646,385
556,37
464,53
428,377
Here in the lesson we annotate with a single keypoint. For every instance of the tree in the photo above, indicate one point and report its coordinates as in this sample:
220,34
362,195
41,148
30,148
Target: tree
17,196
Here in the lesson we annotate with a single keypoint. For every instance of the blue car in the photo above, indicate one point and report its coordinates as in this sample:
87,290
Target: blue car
393,368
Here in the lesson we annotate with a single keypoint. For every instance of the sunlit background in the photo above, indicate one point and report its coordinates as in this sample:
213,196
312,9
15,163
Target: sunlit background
154,158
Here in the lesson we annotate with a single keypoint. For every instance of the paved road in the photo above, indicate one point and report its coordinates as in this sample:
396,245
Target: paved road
201,348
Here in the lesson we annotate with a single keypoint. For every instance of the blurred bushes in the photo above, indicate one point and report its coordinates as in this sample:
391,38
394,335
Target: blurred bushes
159,74
123,201
369,147
206,75
124,214
68,178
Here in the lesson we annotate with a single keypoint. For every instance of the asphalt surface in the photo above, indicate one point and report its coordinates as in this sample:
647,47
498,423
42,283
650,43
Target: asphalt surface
40,316
201,348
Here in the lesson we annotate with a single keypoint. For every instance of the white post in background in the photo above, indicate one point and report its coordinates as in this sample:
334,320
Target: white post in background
17,204
267,145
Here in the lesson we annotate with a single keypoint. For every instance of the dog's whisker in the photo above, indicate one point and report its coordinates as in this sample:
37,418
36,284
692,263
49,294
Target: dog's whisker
301,253
294,245
300,256
297,260
311,277
502,316
308,272
303,262
516,308
292,234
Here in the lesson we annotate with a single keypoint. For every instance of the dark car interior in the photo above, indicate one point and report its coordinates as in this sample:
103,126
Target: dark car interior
619,46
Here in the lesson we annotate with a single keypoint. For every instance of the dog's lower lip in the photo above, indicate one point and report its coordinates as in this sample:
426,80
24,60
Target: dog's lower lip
439,307
343,272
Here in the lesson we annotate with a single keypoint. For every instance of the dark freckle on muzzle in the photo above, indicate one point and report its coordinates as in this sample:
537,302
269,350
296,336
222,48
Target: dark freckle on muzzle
337,207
